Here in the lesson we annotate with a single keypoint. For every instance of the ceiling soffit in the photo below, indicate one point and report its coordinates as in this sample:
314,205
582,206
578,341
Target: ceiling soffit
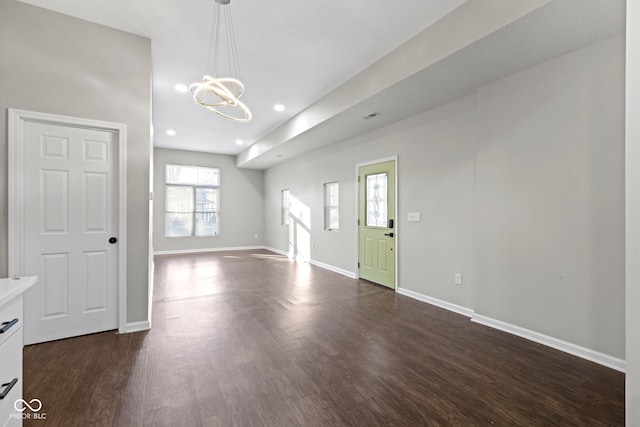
476,44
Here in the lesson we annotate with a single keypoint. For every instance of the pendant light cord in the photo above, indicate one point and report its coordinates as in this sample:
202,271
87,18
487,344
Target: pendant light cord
222,17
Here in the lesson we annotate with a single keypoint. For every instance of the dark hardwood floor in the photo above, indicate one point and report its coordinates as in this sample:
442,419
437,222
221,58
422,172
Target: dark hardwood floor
251,339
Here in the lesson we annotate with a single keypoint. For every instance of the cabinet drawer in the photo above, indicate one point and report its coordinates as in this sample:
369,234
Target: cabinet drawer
10,368
8,314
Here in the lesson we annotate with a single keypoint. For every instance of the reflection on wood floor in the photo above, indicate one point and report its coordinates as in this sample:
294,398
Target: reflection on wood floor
250,339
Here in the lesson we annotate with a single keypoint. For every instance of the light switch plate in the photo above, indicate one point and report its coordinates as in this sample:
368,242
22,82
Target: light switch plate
413,217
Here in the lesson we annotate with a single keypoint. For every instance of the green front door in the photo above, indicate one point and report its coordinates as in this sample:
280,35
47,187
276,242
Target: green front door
376,223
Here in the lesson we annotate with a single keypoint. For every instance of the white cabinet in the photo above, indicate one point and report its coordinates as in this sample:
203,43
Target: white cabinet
11,315
11,362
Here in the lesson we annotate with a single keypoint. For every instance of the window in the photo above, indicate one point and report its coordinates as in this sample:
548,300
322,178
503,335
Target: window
331,206
286,205
377,200
192,201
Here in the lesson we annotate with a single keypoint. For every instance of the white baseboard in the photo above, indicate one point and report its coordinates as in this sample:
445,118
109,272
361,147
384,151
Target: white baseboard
576,350
196,251
438,303
144,325
338,270
278,251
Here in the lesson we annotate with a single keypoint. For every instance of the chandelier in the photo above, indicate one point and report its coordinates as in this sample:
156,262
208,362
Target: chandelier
221,90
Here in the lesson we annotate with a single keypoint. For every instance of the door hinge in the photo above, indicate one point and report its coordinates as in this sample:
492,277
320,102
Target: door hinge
358,178
358,264
358,221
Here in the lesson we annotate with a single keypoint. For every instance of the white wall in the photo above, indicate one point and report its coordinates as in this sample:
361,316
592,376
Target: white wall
549,221
633,214
241,203
56,64
520,188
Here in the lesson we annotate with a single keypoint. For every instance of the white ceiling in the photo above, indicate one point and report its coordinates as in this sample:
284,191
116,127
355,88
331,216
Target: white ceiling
291,52
331,63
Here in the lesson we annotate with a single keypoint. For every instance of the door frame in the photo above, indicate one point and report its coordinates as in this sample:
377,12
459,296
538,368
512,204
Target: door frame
16,121
396,225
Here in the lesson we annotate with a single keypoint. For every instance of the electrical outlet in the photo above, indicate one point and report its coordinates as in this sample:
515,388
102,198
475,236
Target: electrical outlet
458,279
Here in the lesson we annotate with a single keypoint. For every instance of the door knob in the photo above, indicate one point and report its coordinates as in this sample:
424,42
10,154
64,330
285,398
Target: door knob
388,234
113,240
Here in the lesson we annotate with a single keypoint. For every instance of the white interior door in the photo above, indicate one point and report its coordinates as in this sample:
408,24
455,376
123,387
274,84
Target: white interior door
70,223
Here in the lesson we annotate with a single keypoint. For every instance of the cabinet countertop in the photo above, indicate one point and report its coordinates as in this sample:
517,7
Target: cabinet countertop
11,288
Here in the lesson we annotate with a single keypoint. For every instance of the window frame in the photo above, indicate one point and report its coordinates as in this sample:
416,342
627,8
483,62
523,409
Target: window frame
285,206
194,212
328,207
368,203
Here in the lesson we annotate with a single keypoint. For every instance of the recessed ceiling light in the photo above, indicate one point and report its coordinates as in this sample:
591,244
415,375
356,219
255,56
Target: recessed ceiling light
239,141
278,107
181,88
171,132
